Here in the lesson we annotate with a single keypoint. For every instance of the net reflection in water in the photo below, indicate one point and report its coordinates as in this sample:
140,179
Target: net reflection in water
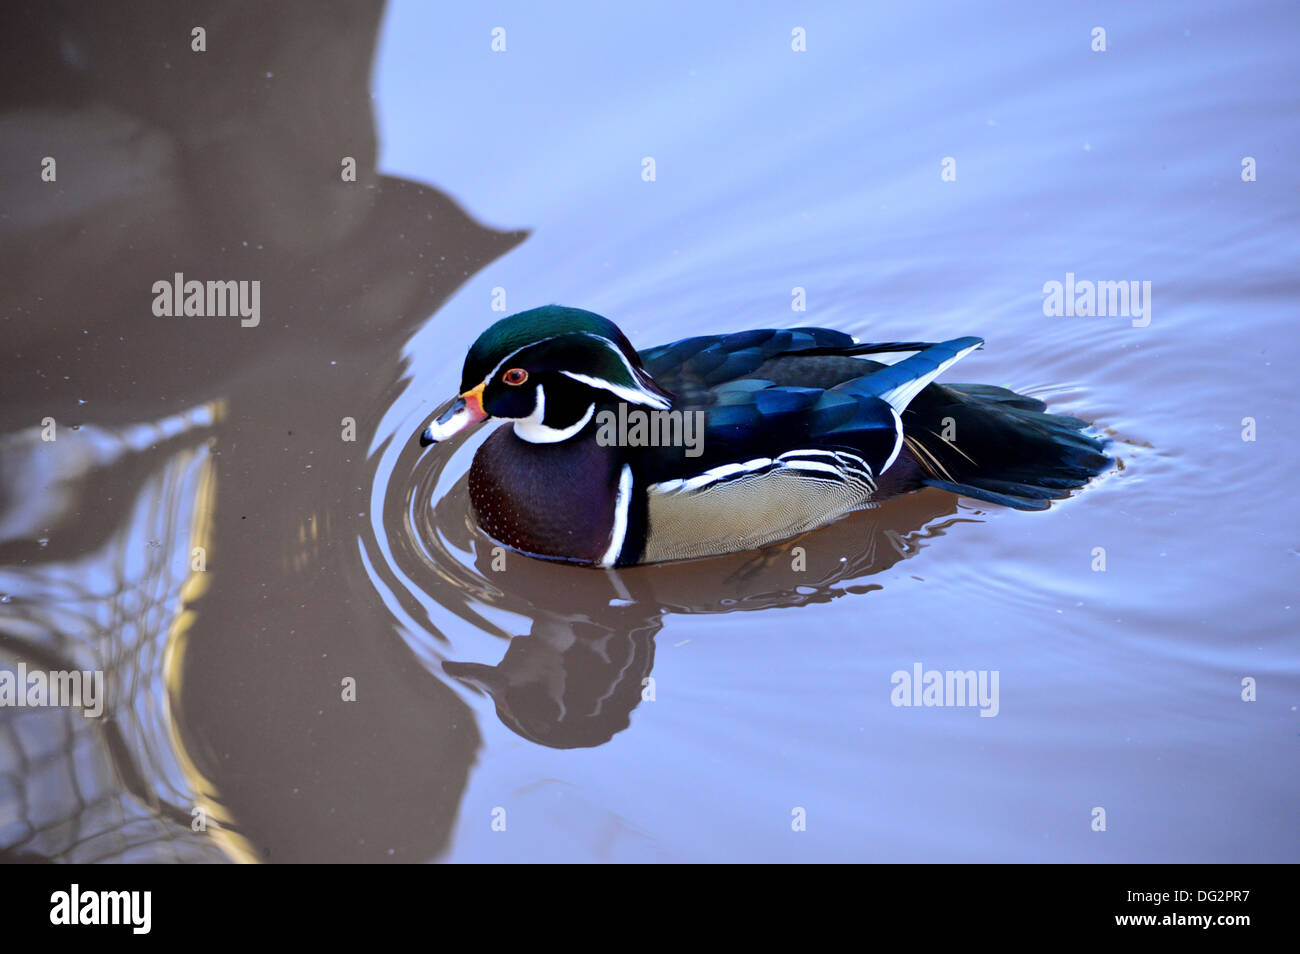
112,788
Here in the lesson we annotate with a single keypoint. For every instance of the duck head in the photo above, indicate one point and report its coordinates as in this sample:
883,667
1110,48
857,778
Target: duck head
546,370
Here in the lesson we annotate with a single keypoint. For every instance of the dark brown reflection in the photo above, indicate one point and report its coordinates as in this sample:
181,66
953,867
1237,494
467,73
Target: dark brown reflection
574,678
225,684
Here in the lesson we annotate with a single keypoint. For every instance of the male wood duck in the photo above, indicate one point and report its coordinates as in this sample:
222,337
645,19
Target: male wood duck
798,427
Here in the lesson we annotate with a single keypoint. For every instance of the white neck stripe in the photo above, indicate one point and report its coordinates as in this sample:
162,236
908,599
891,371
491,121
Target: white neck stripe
621,506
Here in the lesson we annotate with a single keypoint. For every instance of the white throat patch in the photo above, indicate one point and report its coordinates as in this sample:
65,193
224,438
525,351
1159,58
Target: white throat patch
532,429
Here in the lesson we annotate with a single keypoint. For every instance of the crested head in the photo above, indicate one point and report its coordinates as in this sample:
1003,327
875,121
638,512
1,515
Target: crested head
547,370
543,343
537,325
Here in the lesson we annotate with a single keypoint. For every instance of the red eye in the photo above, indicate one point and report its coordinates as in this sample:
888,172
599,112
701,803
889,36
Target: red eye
515,376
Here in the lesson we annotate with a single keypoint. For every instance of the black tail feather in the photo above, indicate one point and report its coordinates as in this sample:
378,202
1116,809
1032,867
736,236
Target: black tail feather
998,446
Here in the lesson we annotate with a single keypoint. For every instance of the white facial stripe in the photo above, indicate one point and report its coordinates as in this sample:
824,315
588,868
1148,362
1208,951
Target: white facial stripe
652,399
621,505
532,429
631,395
493,373
535,420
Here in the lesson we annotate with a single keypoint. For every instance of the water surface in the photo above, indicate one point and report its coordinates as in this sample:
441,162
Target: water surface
517,695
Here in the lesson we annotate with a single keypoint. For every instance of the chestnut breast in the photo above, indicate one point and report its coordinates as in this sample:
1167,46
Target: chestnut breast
553,500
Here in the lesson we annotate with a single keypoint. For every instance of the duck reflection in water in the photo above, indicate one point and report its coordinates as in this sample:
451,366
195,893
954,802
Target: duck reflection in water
574,679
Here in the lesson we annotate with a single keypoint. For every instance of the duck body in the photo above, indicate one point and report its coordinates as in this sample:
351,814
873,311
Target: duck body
766,434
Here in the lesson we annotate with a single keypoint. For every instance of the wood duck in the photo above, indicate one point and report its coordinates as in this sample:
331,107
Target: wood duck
722,443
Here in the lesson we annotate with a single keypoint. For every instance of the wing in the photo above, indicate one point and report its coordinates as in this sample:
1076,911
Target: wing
692,367
754,420
773,461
